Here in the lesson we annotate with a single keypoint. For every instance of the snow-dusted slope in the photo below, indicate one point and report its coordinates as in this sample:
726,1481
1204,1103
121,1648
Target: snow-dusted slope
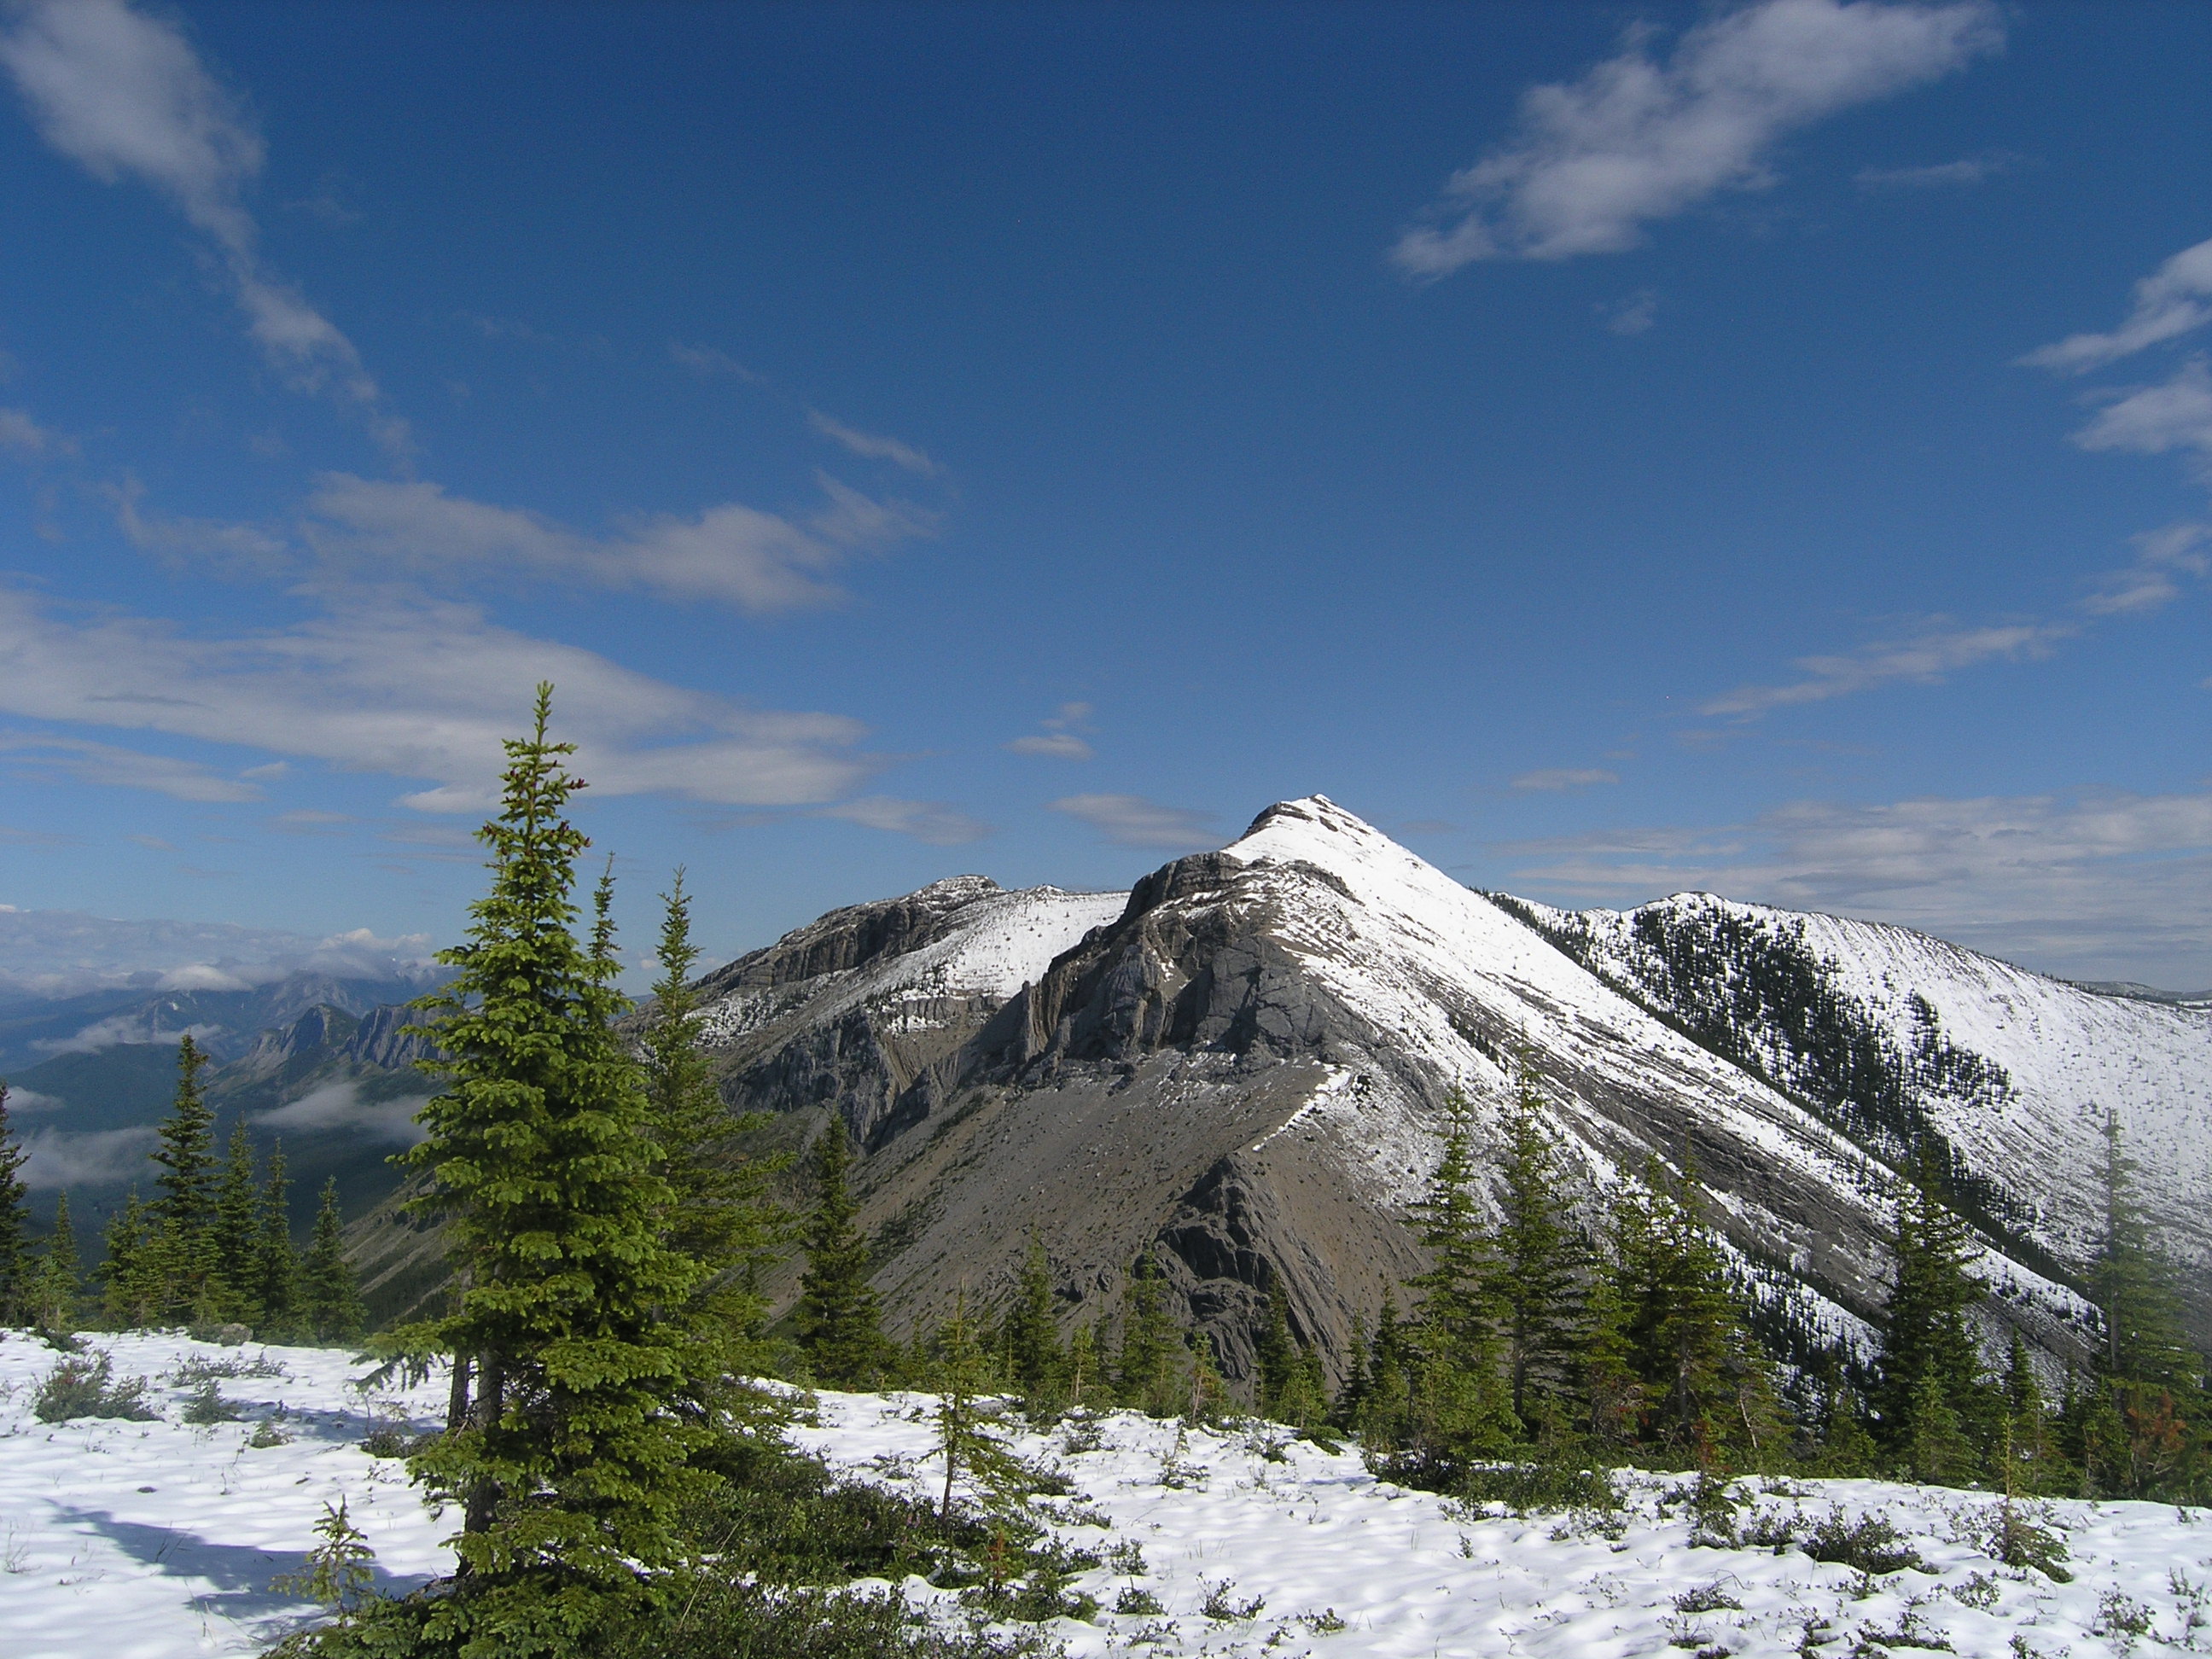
159,1539
2016,1070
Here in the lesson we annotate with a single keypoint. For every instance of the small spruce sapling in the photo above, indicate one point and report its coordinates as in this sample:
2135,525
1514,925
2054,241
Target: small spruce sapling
339,1571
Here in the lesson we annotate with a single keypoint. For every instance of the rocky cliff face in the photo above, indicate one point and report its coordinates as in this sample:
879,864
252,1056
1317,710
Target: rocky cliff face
1246,1064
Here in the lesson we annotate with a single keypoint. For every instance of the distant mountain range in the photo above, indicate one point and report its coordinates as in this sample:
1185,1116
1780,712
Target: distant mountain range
1245,1063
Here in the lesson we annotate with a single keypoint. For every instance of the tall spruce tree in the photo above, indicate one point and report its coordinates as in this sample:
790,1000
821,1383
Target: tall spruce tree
276,1262
2142,1431
330,1297
719,1213
568,1459
1036,1365
838,1318
1539,1274
180,1221
236,1290
1147,1369
1703,1383
52,1293
1939,1416
1459,1407
15,1223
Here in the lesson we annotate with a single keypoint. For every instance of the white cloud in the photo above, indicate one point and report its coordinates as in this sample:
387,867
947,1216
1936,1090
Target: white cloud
21,1100
389,685
706,361
2162,555
930,821
2096,885
125,95
1637,139
1059,741
103,1158
871,446
1560,777
2156,419
339,1106
122,768
1633,315
20,433
731,554
235,547
2171,301
145,1027
1133,821
60,953
1059,745
1922,659
1942,175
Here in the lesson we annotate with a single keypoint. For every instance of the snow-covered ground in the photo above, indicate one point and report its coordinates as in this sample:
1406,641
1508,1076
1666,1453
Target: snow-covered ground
149,1541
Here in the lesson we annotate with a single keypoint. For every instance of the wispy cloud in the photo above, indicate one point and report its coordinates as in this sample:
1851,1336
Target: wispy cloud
342,1106
1057,741
2156,420
233,548
872,446
707,362
1640,138
1966,171
1133,821
1633,315
59,953
1922,658
125,95
104,1158
24,436
122,768
2171,301
416,690
730,555
930,821
1561,777
2090,884
2161,557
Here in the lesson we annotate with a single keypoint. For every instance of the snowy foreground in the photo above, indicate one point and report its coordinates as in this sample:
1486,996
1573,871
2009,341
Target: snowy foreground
143,1540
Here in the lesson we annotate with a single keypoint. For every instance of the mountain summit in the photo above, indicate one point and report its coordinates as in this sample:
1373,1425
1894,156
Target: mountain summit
1246,1063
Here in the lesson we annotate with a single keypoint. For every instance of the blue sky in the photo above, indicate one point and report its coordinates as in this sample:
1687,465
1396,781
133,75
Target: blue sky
1616,449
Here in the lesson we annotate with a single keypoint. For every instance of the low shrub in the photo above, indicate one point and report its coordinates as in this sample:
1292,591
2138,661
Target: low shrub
82,1387
1869,1545
208,1406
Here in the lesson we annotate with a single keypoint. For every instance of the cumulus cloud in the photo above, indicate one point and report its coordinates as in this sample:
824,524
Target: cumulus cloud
1057,741
105,1158
871,446
930,821
1133,821
2093,886
1924,659
1641,137
419,690
340,1106
730,555
1561,777
1942,175
2171,301
125,95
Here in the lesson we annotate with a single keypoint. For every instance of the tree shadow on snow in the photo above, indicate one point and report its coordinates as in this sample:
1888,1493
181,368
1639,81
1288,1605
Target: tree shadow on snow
240,1573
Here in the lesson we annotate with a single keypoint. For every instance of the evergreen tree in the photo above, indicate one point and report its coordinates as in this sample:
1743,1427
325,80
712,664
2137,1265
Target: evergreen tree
133,1279
1703,1383
1276,1352
2034,1464
1036,1364
718,1213
967,1434
231,1232
1150,1377
1208,1401
838,1320
15,1224
51,1294
1459,1408
567,1459
180,1221
2139,1437
1083,1364
276,1262
330,1299
1938,1413
1539,1274
1384,1418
